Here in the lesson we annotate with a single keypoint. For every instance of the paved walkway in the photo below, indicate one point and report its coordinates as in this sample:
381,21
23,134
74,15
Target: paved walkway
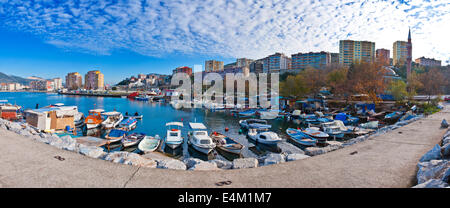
389,160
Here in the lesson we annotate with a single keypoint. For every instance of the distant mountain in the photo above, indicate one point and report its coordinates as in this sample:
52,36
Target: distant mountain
13,79
35,78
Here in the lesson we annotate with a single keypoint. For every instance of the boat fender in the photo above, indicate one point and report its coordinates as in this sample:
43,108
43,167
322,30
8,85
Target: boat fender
227,129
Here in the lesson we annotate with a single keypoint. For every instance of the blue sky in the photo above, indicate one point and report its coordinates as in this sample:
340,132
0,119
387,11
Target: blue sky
49,38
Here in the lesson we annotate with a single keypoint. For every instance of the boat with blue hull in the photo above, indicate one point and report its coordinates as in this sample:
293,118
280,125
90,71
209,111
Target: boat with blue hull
298,137
128,124
254,124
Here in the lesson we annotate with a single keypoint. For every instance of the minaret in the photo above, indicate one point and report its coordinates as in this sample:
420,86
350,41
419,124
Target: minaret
409,57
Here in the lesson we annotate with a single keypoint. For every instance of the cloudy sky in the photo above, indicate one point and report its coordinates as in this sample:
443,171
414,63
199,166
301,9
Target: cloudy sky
52,37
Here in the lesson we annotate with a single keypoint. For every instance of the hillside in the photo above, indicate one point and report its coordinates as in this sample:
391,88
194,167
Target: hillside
13,79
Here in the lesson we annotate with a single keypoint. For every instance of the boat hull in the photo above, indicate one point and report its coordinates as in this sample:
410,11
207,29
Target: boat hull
92,126
266,142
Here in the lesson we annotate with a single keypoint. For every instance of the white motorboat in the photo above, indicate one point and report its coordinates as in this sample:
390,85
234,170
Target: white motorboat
94,119
266,137
199,139
112,119
149,144
173,137
332,129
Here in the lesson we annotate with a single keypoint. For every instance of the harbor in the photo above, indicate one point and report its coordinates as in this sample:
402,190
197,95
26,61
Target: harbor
210,134
388,160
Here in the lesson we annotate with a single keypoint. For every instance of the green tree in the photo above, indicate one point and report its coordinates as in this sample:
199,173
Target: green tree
398,89
294,86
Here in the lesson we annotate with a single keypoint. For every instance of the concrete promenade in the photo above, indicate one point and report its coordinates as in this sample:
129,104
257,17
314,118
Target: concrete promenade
389,160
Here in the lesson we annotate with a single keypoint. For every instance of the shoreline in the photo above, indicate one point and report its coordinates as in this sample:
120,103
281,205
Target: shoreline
386,160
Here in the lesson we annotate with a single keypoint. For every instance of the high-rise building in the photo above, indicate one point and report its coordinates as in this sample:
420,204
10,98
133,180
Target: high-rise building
400,53
256,67
317,60
74,81
351,51
213,66
422,61
94,80
384,56
277,62
183,69
243,62
334,58
57,82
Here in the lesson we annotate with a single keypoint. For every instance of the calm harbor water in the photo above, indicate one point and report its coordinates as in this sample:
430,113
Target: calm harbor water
156,115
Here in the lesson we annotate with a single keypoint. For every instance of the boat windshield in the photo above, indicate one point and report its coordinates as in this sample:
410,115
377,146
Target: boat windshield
204,141
173,134
200,133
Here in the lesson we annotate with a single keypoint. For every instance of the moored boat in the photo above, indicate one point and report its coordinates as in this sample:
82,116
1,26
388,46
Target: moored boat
266,137
173,138
112,119
149,144
199,139
226,144
247,113
254,124
332,129
315,133
127,124
94,119
115,135
132,139
297,136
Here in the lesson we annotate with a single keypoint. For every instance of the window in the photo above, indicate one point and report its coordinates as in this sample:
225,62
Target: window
204,141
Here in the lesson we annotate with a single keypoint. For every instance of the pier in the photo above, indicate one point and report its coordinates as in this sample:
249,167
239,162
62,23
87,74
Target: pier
389,160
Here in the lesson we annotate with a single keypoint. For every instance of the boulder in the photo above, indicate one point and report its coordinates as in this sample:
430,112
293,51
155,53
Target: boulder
434,169
446,140
171,164
433,154
24,133
137,160
204,166
245,163
43,135
313,151
223,164
432,183
446,150
190,162
13,126
3,126
91,151
274,159
293,157
117,157
446,176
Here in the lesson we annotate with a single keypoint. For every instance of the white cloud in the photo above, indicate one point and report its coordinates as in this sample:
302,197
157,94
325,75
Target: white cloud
234,28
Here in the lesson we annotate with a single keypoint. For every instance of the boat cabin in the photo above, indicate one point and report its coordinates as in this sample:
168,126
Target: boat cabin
9,112
52,118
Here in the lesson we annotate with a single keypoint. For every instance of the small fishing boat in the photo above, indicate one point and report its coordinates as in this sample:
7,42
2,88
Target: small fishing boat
94,119
332,129
199,139
266,137
115,135
173,137
300,138
254,124
132,139
149,144
134,116
112,119
226,144
370,125
247,113
143,98
128,124
315,133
